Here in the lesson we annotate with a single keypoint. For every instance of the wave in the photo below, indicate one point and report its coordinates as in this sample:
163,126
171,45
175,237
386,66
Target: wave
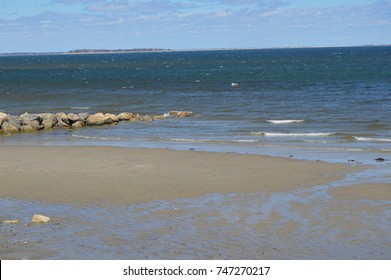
190,140
97,137
80,108
304,134
372,139
284,121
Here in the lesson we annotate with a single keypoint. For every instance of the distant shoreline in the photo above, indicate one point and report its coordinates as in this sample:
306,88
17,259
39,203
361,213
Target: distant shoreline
152,50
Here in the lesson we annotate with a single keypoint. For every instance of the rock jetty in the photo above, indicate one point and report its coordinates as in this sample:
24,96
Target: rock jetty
10,124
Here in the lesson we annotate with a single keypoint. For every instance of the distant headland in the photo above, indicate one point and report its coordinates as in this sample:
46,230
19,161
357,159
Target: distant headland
90,51
135,50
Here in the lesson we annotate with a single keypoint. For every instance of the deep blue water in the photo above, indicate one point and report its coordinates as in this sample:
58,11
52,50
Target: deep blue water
329,100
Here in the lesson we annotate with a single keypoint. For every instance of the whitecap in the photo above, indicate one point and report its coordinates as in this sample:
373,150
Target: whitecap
97,137
372,139
305,134
284,121
80,108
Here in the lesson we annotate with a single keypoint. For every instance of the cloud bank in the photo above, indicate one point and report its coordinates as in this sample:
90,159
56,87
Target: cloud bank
187,24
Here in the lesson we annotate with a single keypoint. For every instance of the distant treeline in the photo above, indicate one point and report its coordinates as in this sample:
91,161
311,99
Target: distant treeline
116,51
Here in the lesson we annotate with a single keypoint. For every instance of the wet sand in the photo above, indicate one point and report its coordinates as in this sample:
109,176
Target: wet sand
121,203
80,175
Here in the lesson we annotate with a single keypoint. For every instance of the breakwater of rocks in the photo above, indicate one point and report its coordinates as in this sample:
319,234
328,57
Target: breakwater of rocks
11,124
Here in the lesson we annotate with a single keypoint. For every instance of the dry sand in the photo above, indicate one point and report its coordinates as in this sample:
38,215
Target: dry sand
80,175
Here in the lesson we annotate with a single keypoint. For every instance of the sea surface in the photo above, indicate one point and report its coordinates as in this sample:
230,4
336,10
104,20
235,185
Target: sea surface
331,104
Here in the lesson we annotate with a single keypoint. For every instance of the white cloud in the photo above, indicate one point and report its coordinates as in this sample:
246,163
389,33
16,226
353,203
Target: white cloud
175,24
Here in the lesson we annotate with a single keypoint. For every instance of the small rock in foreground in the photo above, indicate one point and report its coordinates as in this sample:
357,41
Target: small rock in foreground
40,219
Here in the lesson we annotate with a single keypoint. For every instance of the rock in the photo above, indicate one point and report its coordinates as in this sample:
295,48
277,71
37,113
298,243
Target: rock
3,117
72,118
158,117
35,125
48,123
14,120
33,121
26,118
181,114
96,119
62,117
135,118
110,118
78,124
61,123
40,219
27,128
125,116
185,114
147,118
8,128
83,116
48,120
14,222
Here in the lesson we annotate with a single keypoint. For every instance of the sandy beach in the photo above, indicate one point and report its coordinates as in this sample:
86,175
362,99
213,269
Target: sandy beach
154,203
121,176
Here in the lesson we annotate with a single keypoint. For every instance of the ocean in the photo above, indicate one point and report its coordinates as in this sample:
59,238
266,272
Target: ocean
331,104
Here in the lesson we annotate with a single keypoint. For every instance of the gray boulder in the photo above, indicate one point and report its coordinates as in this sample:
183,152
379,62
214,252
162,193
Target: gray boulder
83,116
3,117
26,118
73,118
8,128
62,117
48,120
15,121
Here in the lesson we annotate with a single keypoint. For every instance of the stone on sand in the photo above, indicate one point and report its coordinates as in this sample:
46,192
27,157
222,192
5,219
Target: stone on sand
40,219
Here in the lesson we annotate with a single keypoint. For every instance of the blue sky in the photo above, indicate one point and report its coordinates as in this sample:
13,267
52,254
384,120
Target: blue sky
61,25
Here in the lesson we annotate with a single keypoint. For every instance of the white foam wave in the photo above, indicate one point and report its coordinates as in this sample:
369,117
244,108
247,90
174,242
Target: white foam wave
372,139
96,137
190,140
285,121
80,108
309,134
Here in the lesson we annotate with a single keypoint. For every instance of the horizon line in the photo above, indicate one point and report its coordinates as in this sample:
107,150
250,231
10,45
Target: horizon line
133,50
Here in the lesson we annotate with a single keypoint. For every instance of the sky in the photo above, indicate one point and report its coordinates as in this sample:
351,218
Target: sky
63,25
